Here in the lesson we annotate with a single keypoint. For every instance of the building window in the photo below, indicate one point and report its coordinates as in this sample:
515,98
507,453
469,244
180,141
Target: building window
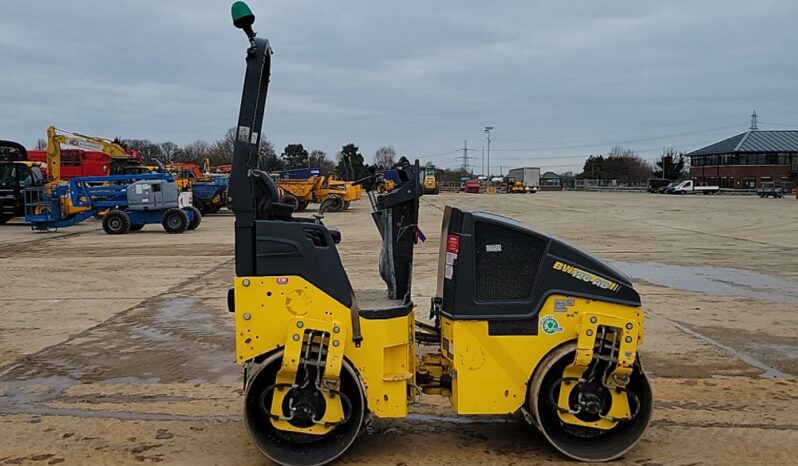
749,183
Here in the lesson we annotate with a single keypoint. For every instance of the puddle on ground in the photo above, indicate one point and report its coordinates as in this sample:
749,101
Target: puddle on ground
716,281
172,339
769,372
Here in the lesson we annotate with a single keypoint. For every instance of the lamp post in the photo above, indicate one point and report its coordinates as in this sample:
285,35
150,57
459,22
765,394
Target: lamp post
487,131
482,172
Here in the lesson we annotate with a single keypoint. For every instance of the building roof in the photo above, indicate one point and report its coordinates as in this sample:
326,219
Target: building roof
754,141
550,175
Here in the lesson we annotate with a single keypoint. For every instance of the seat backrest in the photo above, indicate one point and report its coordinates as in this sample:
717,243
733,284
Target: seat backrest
265,193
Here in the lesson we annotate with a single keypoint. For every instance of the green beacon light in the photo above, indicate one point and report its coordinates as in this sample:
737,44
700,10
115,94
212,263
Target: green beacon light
243,18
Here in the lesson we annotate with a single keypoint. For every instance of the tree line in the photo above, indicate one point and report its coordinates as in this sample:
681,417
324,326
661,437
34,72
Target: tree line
348,164
628,167
620,163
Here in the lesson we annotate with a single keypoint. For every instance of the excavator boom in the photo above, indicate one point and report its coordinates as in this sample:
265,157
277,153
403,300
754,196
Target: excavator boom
56,137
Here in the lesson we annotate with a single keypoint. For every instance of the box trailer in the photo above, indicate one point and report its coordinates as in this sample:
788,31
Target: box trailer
529,176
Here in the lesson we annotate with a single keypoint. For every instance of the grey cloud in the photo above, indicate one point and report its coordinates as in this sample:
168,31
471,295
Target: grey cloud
422,76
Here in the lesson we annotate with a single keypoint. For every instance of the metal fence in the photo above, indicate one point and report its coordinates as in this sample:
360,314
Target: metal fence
449,186
606,185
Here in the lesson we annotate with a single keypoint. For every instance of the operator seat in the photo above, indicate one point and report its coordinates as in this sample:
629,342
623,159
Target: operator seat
267,209
264,190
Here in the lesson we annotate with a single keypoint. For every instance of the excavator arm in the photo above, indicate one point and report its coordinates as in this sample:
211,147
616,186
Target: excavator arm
56,137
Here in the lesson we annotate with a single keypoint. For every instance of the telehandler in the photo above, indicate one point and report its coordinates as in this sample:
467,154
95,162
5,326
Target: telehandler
521,322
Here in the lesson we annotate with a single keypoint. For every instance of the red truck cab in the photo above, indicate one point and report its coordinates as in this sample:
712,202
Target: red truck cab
472,186
81,162
76,162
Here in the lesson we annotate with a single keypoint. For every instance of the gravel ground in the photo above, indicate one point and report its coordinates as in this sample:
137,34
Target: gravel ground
119,350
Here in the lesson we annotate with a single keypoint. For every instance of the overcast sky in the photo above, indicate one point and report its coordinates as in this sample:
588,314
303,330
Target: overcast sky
557,79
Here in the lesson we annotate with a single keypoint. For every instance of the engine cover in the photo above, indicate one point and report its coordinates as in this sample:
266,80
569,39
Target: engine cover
152,195
492,267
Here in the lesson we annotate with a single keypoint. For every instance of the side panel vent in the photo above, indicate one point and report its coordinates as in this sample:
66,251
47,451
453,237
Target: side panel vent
271,247
507,262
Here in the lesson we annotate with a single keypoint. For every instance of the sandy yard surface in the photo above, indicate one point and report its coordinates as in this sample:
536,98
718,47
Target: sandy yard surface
119,350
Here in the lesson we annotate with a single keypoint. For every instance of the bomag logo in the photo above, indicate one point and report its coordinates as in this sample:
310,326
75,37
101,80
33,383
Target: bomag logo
585,276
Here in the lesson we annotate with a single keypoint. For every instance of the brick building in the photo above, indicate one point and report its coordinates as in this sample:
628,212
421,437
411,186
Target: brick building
746,160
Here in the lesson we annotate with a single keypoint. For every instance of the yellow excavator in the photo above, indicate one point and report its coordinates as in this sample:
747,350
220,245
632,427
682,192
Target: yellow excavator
521,322
120,158
56,137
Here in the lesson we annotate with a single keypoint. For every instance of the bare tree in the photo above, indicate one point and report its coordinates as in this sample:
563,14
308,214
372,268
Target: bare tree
267,157
221,151
170,151
41,144
318,159
195,152
385,157
149,150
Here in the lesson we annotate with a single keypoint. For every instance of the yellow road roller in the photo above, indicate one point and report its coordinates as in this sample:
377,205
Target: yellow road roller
521,322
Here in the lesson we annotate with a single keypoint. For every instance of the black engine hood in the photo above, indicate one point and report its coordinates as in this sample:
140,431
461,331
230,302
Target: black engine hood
504,270
575,271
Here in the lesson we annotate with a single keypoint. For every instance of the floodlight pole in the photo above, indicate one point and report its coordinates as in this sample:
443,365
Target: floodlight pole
487,131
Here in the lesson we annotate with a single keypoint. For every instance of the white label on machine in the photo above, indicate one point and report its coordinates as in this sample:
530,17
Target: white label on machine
243,133
138,188
448,272
254,138
450,257
145,199
184,199
493,248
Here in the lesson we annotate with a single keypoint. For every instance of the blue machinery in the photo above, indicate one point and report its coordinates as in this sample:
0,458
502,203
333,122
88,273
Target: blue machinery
128,202
210,196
